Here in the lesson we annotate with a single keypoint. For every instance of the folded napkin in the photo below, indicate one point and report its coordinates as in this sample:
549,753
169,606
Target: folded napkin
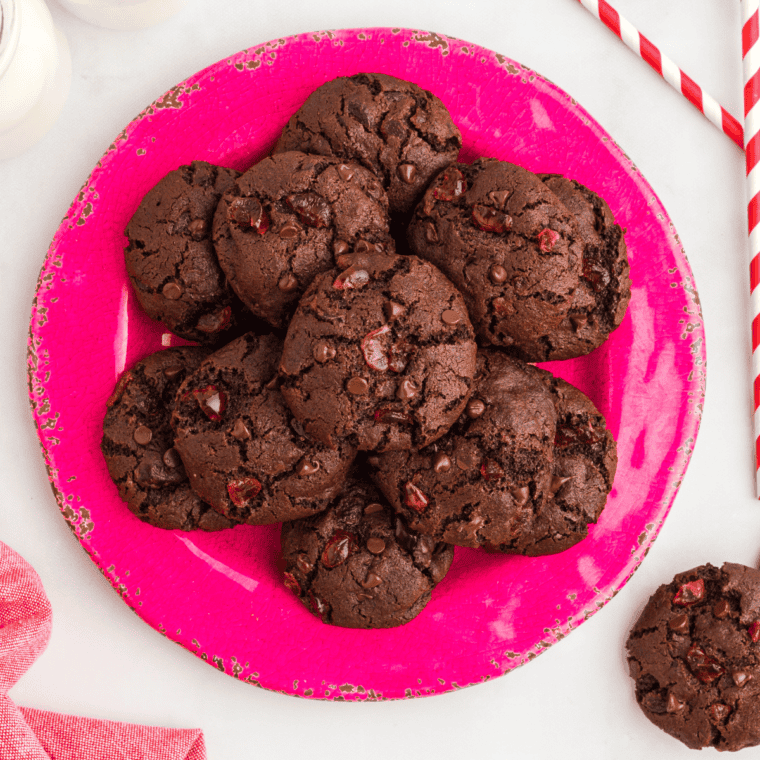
26,734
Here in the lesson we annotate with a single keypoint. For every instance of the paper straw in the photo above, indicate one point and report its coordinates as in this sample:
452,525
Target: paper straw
751,71
666,68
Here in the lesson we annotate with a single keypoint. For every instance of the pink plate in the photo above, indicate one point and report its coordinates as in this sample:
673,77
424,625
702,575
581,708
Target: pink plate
220,594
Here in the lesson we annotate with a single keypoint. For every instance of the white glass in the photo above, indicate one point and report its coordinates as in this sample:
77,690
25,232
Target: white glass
35,74
123,14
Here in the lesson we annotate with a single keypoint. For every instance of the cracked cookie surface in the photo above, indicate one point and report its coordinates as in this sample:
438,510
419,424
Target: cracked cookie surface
402,133
357,565
604,289
509,244
243,452
381,354
171,261
138,444
483,481
286,219
583,471
525,469
695,657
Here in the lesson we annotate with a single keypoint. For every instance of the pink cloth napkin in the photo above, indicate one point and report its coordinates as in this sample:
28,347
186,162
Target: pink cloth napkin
27,734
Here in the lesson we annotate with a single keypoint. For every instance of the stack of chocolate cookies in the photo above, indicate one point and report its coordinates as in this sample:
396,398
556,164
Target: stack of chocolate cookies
368,309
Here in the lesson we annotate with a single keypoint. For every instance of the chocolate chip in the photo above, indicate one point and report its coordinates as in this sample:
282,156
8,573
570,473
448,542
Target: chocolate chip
721,609
431,233
303,564
365,246
690,593
288,283
679,624
351,279
392,416
345,172
340,247
143,435
240,431
490,220
373,508
499,198
674,704
497,274
151,472
451,317
372,581
407,172
393,310
407,390
357,385
521,495
719,712
324,352
741,677
197,228
441,463
172,459
375,545
171,372
172,291
475,408
557,483
578,321
289,231
305,467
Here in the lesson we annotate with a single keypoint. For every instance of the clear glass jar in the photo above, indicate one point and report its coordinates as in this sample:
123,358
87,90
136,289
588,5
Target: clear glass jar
123,14
35,74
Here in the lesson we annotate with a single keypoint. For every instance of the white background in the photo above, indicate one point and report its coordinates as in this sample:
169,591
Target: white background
574,701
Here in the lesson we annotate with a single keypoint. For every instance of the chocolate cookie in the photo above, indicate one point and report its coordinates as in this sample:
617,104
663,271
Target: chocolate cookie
695,657
170,258
399,131
138,444
243,451
511,247
381,355
604,290
485,479
585,460
285,219
357,564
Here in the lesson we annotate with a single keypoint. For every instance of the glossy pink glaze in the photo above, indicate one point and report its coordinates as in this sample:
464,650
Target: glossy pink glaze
220,595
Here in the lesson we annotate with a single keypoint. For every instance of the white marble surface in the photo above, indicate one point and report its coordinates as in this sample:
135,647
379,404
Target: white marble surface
576,700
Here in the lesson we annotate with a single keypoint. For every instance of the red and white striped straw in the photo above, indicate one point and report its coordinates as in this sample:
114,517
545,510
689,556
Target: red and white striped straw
666,68
751,71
